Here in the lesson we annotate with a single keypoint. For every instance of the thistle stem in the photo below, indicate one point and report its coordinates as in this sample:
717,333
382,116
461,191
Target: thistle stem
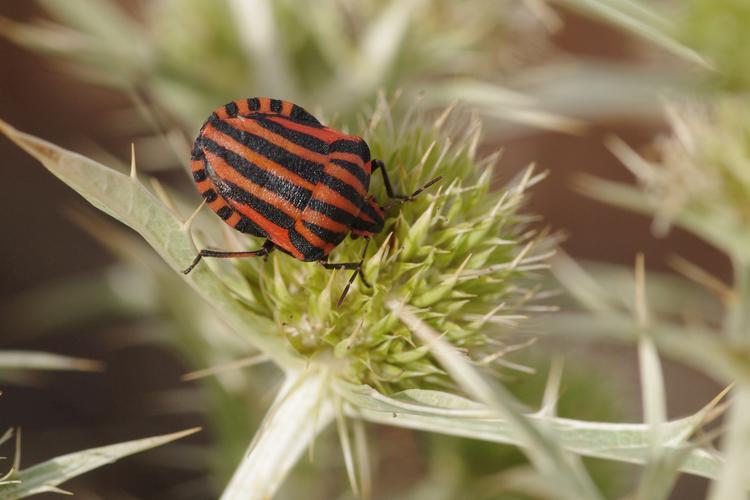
733,483
300,411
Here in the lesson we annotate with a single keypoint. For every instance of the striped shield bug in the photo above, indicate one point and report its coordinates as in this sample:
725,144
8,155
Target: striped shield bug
269,168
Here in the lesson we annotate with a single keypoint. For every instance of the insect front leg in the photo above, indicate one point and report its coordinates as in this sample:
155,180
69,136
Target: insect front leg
377,164
355,266
267,248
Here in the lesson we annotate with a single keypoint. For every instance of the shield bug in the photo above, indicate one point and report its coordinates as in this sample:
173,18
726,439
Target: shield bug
269,168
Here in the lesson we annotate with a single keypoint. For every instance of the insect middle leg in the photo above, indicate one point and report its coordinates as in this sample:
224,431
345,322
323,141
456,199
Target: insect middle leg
355,266
267,248
377,164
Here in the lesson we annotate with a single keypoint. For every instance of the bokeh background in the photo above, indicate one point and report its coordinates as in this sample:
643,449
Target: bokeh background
51,269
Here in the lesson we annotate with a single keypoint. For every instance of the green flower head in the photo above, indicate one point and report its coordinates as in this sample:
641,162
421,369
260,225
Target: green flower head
457,256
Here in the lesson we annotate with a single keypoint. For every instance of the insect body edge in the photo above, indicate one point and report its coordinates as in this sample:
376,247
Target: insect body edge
269,168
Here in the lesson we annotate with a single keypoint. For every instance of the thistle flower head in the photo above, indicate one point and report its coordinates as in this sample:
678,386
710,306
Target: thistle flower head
457,256
702,166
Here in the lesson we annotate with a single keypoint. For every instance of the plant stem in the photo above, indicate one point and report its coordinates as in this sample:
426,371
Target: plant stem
301,410
733,483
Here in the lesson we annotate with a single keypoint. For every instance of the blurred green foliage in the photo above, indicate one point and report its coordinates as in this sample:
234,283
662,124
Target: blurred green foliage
719,29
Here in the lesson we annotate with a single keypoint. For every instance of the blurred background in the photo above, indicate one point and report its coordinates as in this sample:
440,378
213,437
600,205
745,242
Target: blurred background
551,85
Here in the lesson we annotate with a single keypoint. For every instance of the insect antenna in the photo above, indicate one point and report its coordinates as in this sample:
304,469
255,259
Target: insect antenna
402,199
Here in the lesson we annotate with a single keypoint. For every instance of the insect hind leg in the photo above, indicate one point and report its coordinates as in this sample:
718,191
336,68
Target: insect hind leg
355,266
267,248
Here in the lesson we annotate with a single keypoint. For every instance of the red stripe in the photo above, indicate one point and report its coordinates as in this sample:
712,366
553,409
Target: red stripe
259,160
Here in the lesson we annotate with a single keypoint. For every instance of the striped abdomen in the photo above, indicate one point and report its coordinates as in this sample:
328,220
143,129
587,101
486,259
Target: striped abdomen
269,168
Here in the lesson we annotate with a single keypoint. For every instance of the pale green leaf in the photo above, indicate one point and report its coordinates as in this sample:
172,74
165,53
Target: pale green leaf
624,442
46,476
126,199
36,360
543,451
498,102
641,20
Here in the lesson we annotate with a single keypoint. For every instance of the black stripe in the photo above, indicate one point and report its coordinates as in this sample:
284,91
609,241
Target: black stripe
275,105
224,212
359,148
209,195
273,214
253,104
355,170
363,225
342,188
291,192
196,153
308,170
300,115
309,251
324,234
332,212
199,175
231,109
246,225
301,139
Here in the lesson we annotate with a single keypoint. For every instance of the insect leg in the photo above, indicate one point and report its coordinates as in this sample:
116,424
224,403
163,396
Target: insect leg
268,246
377,164
356,266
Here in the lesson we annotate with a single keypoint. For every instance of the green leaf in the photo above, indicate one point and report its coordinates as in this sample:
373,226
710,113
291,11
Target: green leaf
456,416
543,451
35,360
640,20
127,200
46,476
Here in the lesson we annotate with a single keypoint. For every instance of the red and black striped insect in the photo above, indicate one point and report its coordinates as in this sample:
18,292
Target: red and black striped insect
269,168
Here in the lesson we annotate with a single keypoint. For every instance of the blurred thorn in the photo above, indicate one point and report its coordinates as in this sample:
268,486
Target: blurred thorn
7,434
151,115
362,455
528,370
545,14
630,158
426,155
715,408
133,172
55,489
552,388
189,222
440,121
263,45
162,194
232,239
347,449
17,454
702,277
6,479
233,365
639,301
